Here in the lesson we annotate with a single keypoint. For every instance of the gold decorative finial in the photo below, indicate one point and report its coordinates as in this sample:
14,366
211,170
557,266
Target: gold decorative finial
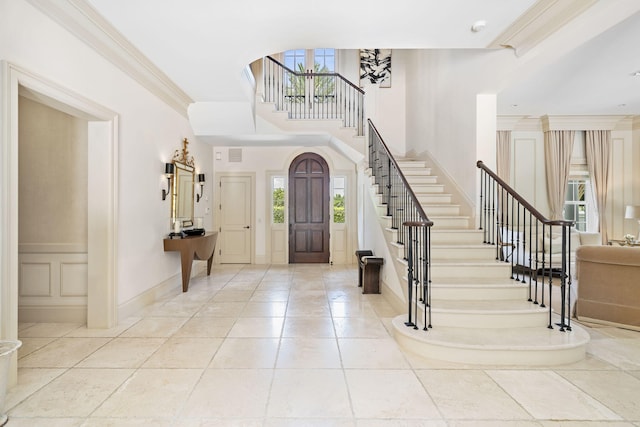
184,157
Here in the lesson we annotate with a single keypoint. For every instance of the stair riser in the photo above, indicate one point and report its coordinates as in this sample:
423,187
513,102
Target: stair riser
444,210
409,164
450,223
440,271
488,320
462,254
475,253
415,171
381,210
386,222
456,237
420,189
421,179
504,357
434,199
479,293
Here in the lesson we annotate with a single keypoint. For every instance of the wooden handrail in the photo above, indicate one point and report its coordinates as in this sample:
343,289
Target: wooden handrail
313,74
425,219
480,164
531,258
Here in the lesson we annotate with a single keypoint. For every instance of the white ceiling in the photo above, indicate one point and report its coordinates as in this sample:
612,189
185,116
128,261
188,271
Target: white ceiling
203,45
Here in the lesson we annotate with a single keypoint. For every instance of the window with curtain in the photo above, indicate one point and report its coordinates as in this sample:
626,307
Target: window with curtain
579,203
576,206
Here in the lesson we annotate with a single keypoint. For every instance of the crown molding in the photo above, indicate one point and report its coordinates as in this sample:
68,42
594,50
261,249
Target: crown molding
581,122
547,123
544,18
625,124
508,122
84,22
519,123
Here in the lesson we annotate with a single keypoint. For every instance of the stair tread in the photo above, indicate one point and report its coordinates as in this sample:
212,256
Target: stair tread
476,281
491,339
460,263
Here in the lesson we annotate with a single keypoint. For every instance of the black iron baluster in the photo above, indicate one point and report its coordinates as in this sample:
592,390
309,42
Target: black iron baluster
409,321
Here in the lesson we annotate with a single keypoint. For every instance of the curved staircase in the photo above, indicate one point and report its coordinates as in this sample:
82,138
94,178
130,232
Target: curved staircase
479,314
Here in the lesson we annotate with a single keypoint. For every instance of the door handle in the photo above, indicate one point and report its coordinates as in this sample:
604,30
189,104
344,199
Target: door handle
246,226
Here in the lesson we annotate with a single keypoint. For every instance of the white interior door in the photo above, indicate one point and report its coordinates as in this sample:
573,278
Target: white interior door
234,239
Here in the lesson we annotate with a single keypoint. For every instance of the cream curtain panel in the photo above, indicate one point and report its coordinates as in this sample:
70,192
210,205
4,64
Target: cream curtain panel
503,155
598,149
558,145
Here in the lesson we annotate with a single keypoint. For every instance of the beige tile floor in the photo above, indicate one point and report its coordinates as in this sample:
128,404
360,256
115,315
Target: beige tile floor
298,346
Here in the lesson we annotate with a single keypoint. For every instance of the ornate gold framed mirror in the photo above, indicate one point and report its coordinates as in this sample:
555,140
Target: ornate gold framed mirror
182,191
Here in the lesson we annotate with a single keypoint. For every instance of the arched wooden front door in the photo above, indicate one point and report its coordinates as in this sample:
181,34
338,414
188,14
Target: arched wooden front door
309,209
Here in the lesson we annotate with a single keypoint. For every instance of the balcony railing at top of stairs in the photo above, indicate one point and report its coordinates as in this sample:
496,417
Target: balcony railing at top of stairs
411,222
537,248
307,94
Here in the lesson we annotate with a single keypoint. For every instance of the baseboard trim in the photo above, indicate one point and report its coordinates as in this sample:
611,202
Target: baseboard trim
173,285
591,322
53,314
392,298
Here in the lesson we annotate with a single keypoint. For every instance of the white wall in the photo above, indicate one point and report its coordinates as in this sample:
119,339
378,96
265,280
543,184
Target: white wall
267,161
442,117
150,131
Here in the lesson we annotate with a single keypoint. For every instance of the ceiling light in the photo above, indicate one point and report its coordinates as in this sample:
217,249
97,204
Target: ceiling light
636,74
478,26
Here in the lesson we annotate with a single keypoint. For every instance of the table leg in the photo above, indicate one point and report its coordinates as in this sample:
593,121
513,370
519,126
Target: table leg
187,261
209,262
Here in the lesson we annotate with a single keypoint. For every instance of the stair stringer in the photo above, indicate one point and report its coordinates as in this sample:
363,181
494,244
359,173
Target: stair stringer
376,239
331,132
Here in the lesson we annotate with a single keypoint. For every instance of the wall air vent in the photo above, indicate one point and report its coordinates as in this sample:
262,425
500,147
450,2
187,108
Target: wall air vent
235,155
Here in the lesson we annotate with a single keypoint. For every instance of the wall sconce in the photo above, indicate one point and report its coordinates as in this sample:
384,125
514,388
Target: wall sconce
168,172
633,212
201,182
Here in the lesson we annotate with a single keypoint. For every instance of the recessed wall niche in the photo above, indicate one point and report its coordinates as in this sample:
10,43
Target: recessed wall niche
52,209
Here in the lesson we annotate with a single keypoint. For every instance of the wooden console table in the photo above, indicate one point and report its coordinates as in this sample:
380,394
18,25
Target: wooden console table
193,248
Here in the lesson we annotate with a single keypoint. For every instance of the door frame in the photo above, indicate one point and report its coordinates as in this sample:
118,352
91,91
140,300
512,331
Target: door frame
102,203
218,202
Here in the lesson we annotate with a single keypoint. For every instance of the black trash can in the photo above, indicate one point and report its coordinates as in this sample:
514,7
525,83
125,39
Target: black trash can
371,274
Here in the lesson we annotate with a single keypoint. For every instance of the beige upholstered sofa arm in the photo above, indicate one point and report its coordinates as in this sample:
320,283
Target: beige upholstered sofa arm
608,284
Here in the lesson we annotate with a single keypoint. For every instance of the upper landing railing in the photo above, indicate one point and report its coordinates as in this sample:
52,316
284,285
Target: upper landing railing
307,94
